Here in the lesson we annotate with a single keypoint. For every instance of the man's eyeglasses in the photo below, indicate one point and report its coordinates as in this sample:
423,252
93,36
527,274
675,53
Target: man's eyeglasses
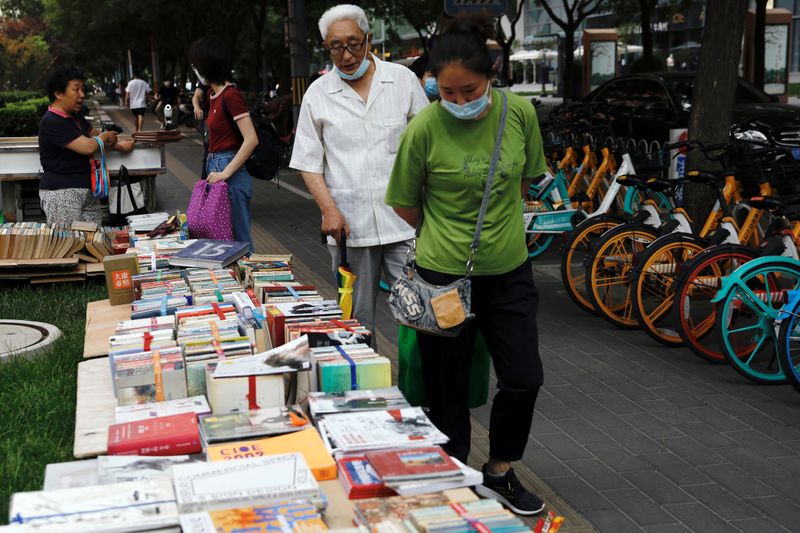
338,49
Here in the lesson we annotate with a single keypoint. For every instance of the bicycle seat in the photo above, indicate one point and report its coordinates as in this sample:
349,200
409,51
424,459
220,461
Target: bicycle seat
631,181
709,178
659,185
764,202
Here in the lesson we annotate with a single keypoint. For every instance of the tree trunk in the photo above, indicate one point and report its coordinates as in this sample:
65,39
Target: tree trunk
567,78
714,89
758,43
645,7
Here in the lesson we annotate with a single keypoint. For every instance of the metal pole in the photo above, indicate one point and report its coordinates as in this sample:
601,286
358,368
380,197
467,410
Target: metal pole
298,53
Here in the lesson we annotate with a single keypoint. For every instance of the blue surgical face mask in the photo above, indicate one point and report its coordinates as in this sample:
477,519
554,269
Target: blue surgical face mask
470,110
431,88
359,73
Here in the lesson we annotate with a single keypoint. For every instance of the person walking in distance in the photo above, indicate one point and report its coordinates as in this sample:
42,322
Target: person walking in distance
441,171
135,98
347,134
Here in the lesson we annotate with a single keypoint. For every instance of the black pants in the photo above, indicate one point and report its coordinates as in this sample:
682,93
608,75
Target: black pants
505,311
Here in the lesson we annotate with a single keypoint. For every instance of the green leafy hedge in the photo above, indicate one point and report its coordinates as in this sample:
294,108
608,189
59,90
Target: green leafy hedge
18,96
21,119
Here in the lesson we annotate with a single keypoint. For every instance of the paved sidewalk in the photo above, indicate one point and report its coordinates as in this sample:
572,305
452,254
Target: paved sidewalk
632,436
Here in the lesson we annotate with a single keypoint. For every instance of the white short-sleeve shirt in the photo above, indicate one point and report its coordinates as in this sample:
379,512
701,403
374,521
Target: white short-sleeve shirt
137,89
353,145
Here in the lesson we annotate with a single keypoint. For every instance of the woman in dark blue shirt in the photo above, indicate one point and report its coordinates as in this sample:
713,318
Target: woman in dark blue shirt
65,148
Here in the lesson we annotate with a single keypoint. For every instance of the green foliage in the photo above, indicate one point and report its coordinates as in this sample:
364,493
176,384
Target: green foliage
37,422
24,54
21,119
19,96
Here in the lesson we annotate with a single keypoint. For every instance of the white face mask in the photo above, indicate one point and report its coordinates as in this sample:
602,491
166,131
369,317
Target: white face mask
469,110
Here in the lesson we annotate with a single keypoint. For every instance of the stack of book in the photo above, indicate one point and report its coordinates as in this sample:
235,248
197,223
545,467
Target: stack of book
360,480
153,276
146,222
321,404
143,325
38,240
258,481
329,332
133,413
364,431
481,515
421,470
377,512
252,424
106,470
131,506
266,267
272,292
281,314
284,516
158,289
160,436
130,343
212,286
163,306
149,376
350,367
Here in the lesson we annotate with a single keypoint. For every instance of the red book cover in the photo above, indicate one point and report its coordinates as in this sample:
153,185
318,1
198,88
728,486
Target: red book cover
414,463
165,435
360,480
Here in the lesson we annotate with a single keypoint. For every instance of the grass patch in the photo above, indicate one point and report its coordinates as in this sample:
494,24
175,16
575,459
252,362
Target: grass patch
37,420
794,89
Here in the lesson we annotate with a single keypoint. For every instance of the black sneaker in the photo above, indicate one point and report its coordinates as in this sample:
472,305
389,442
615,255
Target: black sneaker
509,491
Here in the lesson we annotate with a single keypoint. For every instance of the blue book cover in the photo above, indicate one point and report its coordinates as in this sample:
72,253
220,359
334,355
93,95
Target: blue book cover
210,253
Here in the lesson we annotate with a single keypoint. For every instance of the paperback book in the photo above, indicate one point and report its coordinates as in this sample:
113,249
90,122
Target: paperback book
324,403
360,480
258,481
257,423
299,517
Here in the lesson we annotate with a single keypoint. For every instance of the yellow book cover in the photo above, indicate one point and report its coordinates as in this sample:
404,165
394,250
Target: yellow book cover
308,442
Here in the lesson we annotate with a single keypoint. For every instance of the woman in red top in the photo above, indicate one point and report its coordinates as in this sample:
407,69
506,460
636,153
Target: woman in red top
231,135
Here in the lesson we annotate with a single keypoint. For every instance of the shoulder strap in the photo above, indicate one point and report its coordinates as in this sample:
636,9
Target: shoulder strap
488,189
228,115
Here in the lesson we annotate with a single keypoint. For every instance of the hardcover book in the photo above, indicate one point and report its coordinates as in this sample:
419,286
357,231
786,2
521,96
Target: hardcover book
360,480
117,508
419,463
167,435
259,481
307,442
210,254
297,517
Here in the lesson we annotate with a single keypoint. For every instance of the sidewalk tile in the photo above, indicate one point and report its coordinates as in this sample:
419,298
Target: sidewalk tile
658,487
587,383
651,426
692,451
721,501
699,518
789,486
776,429
554,409
570,395
668,411
578,493
758,525
675,468
598,475
705,434
739,482
631,390
781,509
617,457
612,520
544,464
671,528
752,462
563,446
642,510
766,445
600,416
680,396
716,418
617,403
634,440
582,431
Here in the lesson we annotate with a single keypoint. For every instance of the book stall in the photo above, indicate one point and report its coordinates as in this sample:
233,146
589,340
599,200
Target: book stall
219,393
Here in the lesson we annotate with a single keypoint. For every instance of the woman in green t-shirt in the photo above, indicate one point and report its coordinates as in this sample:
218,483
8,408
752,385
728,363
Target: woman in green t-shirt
441,169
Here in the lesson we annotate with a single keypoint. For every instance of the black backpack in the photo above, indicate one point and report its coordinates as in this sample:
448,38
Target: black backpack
265,161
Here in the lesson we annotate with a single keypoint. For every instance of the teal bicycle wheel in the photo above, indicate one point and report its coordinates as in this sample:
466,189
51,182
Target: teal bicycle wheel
746,320
537,243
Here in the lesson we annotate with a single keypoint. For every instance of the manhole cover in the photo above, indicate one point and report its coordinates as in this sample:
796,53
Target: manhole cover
24,338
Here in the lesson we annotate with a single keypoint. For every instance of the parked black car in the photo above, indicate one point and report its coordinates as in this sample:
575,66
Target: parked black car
647,106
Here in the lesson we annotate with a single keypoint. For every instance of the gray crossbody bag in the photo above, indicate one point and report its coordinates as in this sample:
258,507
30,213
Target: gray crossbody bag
443,309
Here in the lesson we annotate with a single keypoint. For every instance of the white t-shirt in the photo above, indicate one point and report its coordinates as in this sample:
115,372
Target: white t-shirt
136,90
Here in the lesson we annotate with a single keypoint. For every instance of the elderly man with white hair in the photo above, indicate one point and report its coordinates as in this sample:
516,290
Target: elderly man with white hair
347,136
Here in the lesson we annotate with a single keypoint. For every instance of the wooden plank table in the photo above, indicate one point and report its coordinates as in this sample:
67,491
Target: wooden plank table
95,409
101,322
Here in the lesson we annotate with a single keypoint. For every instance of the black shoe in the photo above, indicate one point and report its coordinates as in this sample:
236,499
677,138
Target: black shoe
508,490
